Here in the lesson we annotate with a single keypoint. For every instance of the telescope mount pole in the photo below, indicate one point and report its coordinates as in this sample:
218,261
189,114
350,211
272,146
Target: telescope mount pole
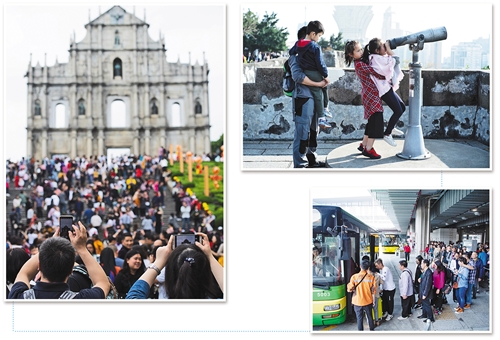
414,147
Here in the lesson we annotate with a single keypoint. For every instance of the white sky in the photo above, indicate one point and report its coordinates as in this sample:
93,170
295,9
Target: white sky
40,29
463,21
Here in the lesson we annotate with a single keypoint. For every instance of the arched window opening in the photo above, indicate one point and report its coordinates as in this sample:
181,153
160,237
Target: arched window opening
81,108
38,108
154,107
117,68
197,107
60,117
176,114
118,114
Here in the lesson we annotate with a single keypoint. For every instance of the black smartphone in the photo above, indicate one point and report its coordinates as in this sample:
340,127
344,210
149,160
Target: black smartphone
65,225
186,239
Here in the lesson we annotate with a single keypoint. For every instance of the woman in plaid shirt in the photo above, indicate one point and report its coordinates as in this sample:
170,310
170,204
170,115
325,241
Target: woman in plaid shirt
370,98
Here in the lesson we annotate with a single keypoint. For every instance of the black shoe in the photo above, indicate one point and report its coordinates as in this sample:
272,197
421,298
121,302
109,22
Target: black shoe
421,317
417,306
317,165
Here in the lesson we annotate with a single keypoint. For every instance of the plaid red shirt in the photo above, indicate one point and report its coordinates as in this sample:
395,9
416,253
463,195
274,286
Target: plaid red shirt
369,92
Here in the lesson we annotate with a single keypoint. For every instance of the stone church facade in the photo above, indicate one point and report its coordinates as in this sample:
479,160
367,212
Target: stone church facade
117,91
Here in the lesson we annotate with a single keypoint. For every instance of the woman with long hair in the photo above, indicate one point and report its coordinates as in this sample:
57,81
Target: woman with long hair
108,263
191,272
438,280
133,268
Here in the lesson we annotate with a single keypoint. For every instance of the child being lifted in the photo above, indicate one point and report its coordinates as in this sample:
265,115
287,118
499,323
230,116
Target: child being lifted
310,60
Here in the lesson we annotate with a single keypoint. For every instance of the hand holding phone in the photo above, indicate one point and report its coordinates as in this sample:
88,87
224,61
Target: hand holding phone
185,239
65,225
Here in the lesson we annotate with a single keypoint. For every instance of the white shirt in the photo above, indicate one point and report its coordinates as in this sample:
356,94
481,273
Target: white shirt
55,199
386,275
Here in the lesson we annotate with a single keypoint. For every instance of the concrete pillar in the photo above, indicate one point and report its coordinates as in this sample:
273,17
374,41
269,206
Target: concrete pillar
422,224
73,152
29,145
135,150
89,142
147,142
100,143
44,144
192,143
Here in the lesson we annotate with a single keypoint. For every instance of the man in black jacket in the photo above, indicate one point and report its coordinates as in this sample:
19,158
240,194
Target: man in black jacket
425,292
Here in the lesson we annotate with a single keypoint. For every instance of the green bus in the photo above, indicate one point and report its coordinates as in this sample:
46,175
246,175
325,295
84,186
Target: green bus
339,241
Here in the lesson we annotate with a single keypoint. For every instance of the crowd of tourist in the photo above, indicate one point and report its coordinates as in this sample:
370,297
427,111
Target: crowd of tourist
444,272
121,204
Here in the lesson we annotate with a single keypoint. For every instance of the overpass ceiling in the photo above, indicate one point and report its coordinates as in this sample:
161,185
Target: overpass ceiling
449,208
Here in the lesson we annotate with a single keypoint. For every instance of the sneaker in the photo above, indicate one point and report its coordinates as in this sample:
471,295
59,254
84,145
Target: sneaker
459,310
397,132
323,123
402,317
385,315
361,147
421,317
327,113
371,154
318,164
467,306
417,306
389,140
389,317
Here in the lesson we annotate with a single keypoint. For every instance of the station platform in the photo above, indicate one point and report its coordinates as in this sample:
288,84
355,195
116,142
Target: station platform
475,319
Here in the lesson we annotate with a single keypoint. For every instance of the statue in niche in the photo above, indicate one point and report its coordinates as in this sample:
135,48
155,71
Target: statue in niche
117,39
81,109
38,109
154,109
197,108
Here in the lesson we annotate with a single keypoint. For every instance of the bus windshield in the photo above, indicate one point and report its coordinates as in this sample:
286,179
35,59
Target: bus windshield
327,268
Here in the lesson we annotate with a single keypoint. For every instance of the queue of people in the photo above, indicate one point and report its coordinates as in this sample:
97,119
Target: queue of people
453,272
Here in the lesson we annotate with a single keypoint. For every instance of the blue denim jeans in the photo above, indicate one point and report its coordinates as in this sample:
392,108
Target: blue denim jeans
461,296
306,132
359,316
468,294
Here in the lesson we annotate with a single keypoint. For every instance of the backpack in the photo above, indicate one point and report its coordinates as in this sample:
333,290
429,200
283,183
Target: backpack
66,295
81,269
448,276
288,82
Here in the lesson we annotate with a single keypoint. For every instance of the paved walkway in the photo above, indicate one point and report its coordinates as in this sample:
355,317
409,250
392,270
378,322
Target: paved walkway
475,319
450,154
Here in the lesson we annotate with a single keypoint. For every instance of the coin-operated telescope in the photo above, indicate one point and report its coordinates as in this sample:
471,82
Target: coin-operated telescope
430,35
414,147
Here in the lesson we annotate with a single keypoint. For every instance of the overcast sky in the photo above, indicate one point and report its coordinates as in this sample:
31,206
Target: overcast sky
463,21
39,29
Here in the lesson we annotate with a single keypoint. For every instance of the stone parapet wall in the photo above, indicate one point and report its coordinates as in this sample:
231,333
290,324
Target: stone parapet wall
456,104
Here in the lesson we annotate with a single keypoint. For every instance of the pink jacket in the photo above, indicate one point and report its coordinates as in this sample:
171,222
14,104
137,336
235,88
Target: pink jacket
386,66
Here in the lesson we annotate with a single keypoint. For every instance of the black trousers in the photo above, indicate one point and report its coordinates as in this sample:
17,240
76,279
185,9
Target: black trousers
406,305
388,301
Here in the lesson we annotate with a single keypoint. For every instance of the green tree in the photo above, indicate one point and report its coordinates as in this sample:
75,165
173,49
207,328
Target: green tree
264,36
215,145
336,42
323,43
250,22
